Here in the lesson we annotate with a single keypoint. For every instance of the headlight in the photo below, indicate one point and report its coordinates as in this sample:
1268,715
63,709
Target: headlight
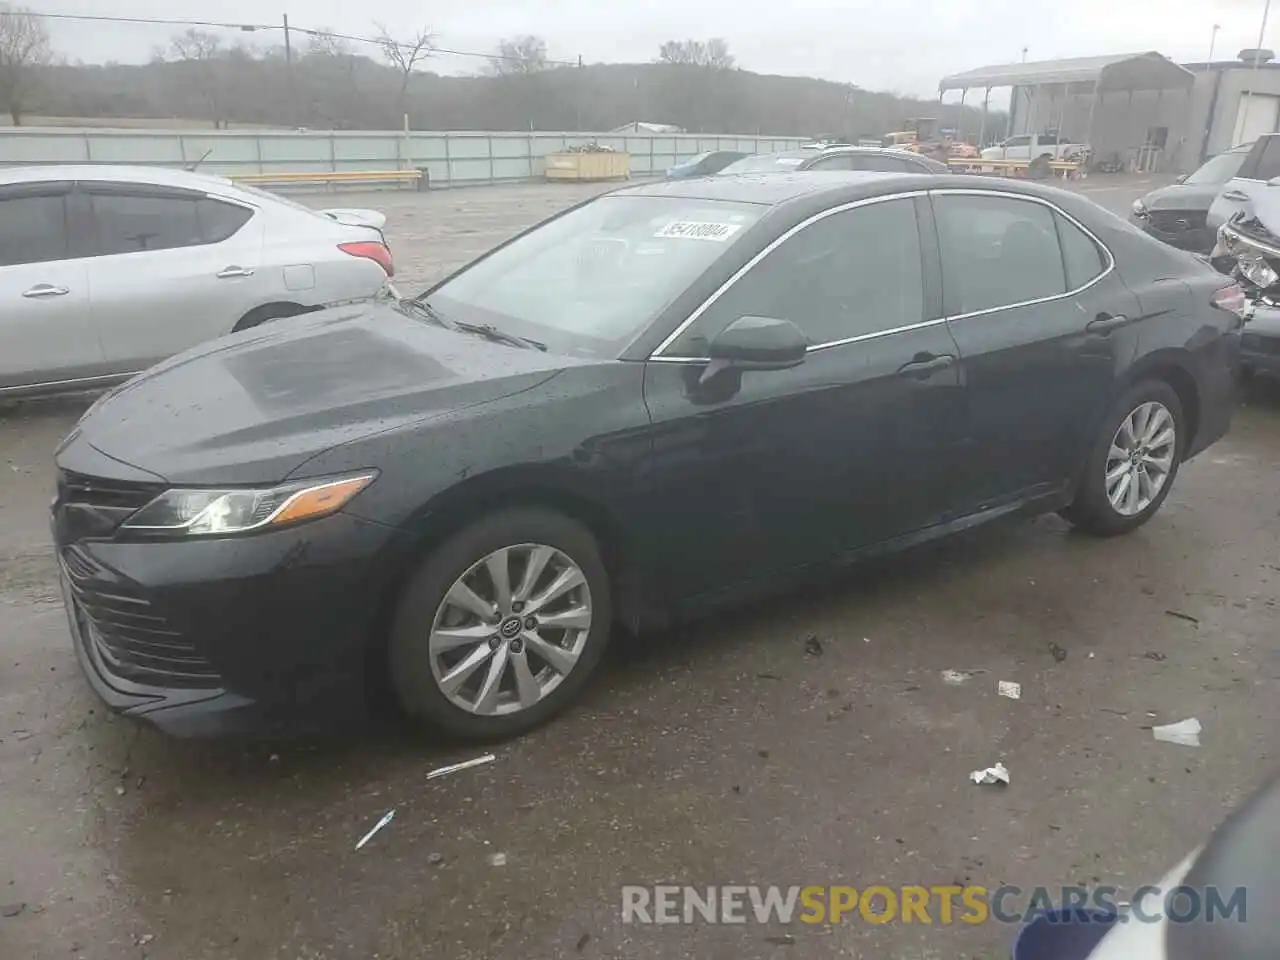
1139,208
1258,272
200,512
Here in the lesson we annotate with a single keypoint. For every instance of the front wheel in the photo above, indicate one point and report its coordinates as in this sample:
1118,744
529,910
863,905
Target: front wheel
501,626
1133,462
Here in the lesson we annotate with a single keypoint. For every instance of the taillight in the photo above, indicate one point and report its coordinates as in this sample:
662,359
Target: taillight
371,250
1230,298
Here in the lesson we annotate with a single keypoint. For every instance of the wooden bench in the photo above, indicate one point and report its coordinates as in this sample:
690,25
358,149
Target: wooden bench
329,177
1066,169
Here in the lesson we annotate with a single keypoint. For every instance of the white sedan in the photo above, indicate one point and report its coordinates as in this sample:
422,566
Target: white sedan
106,270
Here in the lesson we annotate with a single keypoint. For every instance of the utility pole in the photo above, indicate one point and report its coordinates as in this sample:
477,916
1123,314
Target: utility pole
1213,40
1253,76
288,65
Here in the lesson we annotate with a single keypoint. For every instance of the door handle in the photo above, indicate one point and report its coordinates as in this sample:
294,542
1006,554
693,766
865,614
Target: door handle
1106,322
925,367
231,273
42,290
1235,195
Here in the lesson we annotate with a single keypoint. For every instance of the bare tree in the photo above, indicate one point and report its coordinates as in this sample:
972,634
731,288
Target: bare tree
404,56
519,56
198,55
24,50
322,43
712,53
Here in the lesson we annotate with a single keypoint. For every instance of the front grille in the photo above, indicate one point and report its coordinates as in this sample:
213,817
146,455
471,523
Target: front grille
132,638
1255,343
1177,221
89,507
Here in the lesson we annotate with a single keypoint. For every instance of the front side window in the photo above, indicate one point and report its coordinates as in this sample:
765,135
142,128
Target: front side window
590,281
849,274
33,229
997,251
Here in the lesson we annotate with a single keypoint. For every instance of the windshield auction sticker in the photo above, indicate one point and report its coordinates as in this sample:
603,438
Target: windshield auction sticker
698,230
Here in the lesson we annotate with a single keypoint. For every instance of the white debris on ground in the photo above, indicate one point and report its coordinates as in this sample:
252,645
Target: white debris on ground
991,775
1185,732
1007,688
956,678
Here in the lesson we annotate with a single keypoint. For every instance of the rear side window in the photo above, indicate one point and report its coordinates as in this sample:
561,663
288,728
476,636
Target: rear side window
130,223
1081,256
33,229
1268,160
997,251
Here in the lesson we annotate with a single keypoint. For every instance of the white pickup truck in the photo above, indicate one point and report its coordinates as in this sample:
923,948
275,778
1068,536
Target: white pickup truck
1028,147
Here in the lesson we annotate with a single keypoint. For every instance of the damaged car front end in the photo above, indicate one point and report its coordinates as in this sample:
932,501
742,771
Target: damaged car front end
1248,250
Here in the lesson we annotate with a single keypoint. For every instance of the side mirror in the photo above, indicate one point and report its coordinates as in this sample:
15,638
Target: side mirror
1274,182
1181,178
757,343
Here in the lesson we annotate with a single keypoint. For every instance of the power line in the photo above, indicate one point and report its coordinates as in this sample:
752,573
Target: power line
264,27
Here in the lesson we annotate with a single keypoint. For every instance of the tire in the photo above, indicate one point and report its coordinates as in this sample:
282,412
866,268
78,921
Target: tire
1093,511
272,311
424,606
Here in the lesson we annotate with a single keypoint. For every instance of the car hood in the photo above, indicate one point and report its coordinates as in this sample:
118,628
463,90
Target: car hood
1183,196
255,406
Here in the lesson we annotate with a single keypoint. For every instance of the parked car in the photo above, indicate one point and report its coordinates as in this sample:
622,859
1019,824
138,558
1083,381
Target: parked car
664,399
704,164
1178,214
1261,165
837,158
105,270
1029,147
1248,250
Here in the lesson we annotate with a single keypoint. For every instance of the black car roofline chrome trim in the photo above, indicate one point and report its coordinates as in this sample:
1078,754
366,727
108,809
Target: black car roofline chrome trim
656,353
87,382
1111,259
939,191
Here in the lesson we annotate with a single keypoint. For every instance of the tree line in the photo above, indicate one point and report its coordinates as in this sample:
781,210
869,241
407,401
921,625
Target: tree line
330,82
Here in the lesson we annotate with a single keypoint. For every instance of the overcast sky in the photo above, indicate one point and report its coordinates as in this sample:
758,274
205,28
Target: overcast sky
904,46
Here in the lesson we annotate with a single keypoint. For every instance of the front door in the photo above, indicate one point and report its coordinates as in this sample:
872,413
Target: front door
46,331
1042,325
173,268
764,471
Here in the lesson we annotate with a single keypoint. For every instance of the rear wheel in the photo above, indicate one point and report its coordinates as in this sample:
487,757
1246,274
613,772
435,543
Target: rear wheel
1133,462
501,626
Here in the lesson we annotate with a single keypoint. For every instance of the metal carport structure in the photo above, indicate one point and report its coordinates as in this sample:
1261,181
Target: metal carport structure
1080,76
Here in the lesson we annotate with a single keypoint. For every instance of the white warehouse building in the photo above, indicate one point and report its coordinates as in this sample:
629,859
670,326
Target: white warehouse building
1142,110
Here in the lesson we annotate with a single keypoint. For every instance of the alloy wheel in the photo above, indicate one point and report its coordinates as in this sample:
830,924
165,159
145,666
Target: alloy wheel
1140,459
510,629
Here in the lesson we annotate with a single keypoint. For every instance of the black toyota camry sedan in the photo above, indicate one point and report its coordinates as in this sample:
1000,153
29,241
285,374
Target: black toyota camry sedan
662,398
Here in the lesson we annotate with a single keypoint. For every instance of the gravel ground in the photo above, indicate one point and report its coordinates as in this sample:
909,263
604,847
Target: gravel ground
728,751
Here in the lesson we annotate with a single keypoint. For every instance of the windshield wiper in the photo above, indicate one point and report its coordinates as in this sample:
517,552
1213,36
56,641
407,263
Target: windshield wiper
490,332
430,312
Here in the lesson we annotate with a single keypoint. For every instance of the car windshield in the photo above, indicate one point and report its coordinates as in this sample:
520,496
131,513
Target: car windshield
765,163
1219,169
588,282
272,197
696,158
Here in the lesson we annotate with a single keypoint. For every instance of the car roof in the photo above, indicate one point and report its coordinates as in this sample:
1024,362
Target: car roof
769,189
842,186
115,173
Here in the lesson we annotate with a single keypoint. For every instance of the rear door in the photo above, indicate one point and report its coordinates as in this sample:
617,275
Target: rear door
1261,165
46,331
1044,325
171,268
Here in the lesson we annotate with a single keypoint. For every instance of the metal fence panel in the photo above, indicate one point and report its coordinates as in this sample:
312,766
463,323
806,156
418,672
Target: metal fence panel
450,158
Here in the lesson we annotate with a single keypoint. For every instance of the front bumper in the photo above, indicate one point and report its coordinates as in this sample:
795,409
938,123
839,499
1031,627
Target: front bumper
267,633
